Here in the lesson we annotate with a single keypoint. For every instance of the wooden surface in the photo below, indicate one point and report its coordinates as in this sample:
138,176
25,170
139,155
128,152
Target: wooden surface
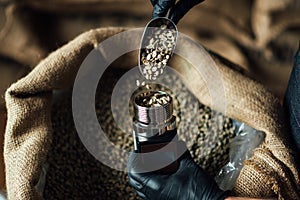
2,128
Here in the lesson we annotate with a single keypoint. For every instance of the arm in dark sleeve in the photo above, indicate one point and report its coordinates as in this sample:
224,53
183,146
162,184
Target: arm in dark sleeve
177,11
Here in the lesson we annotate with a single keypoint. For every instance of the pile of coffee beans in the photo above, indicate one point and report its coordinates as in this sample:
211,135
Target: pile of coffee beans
151,98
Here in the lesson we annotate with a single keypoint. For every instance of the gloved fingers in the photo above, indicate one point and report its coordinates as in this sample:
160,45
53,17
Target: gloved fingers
181,8
146,184
137,186
148,162
162,7
138,173
133,161
141,195
186,160
135,183
153,187
135,168
153,2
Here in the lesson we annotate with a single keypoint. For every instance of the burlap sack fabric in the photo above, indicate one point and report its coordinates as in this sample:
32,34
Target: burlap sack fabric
262,29
270,172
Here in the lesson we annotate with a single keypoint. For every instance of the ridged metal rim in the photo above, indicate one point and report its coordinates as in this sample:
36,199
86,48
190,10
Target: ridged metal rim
154,115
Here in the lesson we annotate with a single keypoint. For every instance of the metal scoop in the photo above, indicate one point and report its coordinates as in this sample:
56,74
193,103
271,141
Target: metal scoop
157,46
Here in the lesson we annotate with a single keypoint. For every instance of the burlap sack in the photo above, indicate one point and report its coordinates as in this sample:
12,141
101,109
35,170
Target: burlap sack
2,127
270,172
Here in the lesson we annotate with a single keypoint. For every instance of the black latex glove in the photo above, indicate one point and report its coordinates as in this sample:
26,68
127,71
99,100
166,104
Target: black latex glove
189,182
178,10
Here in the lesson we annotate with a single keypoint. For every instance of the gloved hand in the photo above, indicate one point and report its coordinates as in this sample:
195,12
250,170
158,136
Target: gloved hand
161,7
188,182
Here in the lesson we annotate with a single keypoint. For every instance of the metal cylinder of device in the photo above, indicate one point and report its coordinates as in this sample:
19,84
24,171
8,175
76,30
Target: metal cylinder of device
154,125
153,114
158,114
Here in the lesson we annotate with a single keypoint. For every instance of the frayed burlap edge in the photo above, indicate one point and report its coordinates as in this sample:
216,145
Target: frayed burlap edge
28,132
